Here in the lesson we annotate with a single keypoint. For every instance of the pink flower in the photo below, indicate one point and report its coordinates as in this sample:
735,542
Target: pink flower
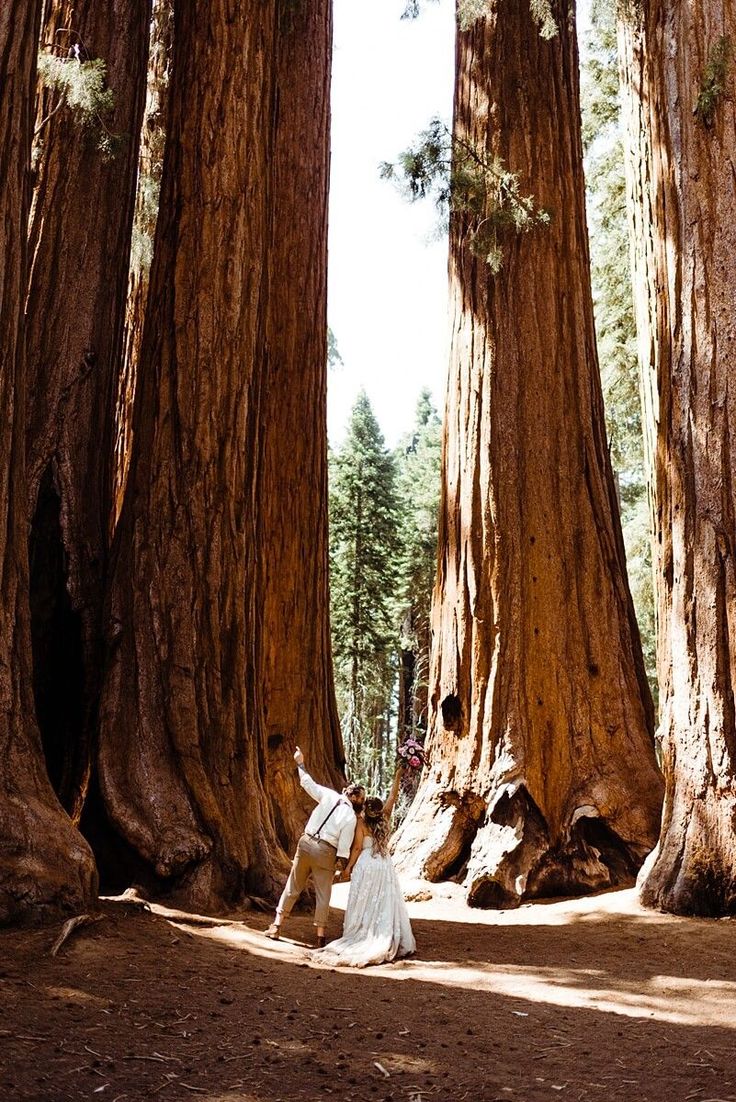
415,762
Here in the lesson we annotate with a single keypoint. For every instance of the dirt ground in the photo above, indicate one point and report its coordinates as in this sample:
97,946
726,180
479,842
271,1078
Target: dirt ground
585,1000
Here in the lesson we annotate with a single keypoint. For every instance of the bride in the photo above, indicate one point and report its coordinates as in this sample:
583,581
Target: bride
377,927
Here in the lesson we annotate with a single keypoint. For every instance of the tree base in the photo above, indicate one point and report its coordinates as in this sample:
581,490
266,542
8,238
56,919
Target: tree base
692,871
46,868
508,855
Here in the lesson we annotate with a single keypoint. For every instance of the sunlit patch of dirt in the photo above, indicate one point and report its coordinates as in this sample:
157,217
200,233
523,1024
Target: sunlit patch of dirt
585,1000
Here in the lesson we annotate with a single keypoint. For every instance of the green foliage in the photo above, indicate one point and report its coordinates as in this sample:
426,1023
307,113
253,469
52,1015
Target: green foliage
614,313
542,12
144,225
364,546
154,137
468,182
81,87
468,11
713,84
600,90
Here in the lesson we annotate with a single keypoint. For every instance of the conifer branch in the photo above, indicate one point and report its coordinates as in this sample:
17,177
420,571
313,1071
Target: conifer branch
469,11
464,181
80,84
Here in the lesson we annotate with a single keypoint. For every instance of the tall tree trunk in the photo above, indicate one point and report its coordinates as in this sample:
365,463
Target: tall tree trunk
182,715
296,675
542,778
693,142
638,168
80,242
44,863
150,167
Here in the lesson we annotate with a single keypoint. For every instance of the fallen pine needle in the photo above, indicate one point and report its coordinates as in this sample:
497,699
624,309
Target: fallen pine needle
382,1069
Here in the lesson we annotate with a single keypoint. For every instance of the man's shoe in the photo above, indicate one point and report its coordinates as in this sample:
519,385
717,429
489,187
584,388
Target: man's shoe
320,941
273,931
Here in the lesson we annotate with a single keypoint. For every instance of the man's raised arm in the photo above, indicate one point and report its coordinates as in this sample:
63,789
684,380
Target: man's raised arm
316,791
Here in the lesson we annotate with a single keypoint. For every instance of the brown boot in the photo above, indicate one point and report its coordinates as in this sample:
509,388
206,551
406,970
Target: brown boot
273,931
320,941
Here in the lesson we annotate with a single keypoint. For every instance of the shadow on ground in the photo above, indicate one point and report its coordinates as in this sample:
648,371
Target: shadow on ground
586,1000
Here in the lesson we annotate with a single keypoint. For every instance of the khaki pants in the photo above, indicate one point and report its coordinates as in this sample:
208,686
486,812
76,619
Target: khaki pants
317,858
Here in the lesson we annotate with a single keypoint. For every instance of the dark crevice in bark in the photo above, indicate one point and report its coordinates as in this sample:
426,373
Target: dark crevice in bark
452,713
58,660
514,861
119,865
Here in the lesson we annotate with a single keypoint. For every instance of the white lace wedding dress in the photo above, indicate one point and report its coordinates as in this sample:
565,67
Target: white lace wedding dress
377,927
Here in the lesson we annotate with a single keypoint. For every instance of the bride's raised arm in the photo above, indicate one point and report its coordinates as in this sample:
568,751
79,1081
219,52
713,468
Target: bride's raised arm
391,798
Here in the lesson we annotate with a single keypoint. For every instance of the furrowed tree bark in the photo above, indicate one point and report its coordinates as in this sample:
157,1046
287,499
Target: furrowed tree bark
638,167
296,675
542,778
181,717
45,866
79,243
693,196
150,166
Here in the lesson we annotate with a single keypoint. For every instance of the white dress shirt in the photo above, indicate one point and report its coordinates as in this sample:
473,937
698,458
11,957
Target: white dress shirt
339,830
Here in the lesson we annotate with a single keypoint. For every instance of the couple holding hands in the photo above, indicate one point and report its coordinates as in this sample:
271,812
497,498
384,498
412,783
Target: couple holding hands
349,834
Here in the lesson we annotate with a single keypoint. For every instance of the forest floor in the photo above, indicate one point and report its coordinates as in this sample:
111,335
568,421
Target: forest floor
587,1000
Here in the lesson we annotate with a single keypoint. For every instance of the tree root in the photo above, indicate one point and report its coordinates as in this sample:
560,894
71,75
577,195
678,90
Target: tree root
70,926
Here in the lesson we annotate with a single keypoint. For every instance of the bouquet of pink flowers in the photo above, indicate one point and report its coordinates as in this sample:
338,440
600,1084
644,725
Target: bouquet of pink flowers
411,753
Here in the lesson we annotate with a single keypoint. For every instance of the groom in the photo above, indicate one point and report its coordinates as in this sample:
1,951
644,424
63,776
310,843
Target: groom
322,849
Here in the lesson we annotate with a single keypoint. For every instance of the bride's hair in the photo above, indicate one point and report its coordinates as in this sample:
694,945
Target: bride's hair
379,825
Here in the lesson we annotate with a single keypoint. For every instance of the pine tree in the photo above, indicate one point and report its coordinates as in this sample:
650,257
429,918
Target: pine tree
364,546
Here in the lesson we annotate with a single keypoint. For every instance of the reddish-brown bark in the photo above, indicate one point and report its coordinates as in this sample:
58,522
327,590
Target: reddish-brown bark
294,636
150,166
79,247
638,170
182,715
44,863
692,194
542,777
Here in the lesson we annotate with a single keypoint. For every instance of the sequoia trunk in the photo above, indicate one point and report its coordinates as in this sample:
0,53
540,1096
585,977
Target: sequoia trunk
44,863
296,664
80,242
638,167
688,98
150,166
181,717
542,777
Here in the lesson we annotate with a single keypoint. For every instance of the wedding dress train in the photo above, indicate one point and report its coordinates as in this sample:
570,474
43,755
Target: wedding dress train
377,927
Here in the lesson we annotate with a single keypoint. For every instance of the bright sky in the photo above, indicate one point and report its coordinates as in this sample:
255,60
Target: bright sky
388,277
388,280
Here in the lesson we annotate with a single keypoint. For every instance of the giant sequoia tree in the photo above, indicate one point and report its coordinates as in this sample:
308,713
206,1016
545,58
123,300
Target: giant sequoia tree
542,777
295,658
79,246
680,58
150,167
43,861
182,713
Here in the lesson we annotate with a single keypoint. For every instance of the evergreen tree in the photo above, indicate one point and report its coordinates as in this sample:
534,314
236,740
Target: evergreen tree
364,544
614,312
418,458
